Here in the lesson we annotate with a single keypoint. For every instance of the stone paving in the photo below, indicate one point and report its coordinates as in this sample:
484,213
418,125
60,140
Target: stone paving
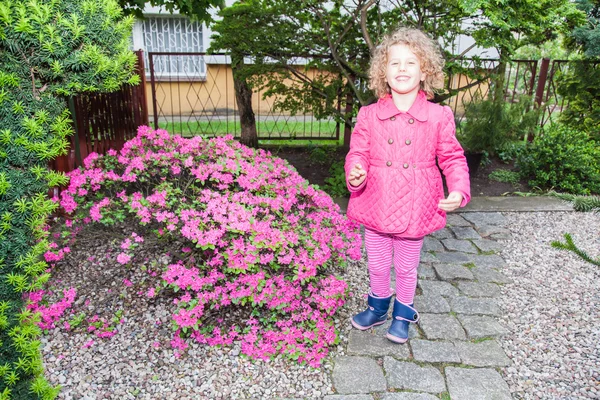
452,352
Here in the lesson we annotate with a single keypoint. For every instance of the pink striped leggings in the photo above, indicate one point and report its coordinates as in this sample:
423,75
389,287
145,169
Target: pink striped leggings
382,249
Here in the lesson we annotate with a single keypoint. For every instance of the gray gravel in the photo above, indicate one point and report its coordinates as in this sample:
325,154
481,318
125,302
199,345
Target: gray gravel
552,308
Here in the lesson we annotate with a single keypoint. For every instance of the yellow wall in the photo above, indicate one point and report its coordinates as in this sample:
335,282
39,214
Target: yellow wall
213,95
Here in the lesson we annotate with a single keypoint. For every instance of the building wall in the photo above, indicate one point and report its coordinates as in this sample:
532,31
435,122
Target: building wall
213,95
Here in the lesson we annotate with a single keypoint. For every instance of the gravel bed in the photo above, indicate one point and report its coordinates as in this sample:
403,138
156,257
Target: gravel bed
552,309
139,362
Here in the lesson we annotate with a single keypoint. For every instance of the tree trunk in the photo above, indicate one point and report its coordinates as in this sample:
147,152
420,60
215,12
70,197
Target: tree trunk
243,96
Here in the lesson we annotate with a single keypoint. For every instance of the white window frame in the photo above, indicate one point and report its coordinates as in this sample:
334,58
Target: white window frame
140,43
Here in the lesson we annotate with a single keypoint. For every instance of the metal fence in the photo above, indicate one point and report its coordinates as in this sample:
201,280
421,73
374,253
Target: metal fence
193,93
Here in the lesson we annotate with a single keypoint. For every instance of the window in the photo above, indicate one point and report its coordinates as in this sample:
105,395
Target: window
172,35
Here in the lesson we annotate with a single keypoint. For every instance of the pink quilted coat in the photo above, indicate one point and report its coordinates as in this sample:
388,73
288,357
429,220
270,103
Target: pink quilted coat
399,150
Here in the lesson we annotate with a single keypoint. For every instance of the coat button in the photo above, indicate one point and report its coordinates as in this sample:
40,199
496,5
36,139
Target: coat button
405,165
408,142
411,121
392,118
390,141
389,163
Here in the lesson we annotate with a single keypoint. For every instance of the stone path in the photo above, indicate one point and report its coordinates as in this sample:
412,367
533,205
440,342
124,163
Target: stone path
453,352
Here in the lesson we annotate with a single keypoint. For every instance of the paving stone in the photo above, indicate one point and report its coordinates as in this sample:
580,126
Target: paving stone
478,326
476,384
408,396
434,351
432,244
348,397
441,326
490,275
439,288
485,354
450,272
500,236
465,232
456,220
490,261
466,305
489,230
381,330
486,245
477,289
368,343
428,257
451,257
431,303
355,375
485,218
407,375
443,233
460,245
425,271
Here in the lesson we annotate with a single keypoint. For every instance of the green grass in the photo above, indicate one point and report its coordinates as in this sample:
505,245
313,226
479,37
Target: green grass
266,129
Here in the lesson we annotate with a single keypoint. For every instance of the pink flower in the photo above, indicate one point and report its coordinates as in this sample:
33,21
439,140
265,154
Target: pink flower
127,282
123,258
151,292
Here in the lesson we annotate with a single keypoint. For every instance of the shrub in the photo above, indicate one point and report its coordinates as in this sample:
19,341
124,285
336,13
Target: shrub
49,50
580,86
335,184
563,159
246,232
489,124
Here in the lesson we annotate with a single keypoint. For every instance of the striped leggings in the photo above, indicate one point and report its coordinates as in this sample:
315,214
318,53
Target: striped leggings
382,249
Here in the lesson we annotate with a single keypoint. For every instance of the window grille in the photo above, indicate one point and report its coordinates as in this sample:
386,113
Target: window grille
173,35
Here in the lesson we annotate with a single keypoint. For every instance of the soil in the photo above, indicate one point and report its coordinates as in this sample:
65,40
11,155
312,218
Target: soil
313,163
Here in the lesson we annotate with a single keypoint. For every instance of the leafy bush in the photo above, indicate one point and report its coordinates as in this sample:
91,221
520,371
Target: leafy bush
335,184
562,159
247,233
489,124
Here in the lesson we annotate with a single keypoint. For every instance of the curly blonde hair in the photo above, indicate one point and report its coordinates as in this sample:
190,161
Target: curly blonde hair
419,43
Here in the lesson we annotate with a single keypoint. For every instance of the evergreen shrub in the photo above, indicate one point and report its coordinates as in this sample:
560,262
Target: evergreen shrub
48,50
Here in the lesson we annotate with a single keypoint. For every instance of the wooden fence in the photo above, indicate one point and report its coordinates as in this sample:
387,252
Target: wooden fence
105,120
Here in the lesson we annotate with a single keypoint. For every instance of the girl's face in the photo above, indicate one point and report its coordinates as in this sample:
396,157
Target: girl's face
403,72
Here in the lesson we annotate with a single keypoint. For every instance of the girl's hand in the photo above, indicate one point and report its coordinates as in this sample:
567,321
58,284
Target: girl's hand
452,202
357,175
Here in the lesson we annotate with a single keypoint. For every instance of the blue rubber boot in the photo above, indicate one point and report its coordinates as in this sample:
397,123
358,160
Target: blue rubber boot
375,314
402,315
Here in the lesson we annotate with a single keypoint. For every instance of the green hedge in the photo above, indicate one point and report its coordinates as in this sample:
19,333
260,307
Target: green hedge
48,51
562,159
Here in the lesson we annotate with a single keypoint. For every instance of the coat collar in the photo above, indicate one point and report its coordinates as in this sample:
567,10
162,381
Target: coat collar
419,110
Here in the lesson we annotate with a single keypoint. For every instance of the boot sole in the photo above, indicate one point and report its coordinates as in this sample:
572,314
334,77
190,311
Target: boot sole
396,339
364,328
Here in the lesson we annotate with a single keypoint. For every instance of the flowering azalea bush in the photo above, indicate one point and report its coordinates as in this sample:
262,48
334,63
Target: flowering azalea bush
253,249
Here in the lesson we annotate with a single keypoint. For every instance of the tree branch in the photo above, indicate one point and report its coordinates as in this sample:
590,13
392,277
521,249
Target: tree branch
363,24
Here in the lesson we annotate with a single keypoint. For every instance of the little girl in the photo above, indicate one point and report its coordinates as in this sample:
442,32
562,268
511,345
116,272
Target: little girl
395,185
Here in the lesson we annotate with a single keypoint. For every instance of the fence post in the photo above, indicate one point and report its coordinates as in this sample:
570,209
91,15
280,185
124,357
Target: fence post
539,93
152,84
142,92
